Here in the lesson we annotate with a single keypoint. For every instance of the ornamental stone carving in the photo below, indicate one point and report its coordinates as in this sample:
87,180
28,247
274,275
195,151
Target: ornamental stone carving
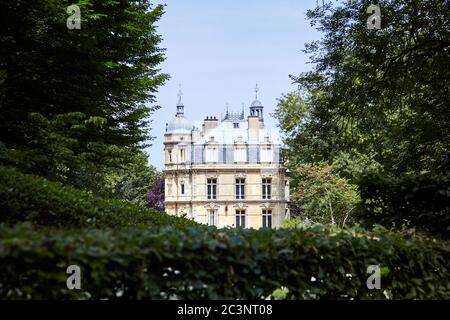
212,205
240,205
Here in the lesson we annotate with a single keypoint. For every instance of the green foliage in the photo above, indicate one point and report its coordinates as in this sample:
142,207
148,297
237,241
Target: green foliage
323,196
189,263
352,164
280,294
383,92
376,103
294,117
291,112
74,101
131,182
41,202
386,111
293,223
419,202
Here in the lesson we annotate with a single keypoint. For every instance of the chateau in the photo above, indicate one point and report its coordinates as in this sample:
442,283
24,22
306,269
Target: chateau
225,172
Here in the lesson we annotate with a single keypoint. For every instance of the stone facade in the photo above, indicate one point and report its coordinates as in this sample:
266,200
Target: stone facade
227,172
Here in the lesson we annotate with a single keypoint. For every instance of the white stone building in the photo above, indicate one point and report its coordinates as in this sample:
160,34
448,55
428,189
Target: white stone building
227,172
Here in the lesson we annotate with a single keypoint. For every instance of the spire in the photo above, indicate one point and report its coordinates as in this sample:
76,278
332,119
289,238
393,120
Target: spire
256,91
180,93
180,106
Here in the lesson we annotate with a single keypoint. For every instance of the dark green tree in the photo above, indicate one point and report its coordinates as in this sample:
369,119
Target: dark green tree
377,100
381,91
74,102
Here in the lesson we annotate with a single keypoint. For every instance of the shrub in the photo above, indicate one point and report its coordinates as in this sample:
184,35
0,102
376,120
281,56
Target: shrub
292,223
141,263
35,199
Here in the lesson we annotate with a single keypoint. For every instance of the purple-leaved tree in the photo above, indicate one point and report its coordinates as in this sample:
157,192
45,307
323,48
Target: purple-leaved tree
154,198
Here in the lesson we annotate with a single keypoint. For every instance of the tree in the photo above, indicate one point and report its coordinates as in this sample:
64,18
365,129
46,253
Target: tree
74,101
155,197
132,182
325,197
383,92
376,101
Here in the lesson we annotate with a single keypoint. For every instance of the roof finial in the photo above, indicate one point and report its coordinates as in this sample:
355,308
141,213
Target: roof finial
180,106
180,93
256,91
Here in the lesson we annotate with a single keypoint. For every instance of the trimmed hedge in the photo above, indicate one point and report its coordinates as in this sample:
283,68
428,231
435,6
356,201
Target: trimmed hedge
31,198
193,263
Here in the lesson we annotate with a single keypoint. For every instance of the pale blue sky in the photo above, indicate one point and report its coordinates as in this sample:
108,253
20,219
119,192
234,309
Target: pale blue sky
219,50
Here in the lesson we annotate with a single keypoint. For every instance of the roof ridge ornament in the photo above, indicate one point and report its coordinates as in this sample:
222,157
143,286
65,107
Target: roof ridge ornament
180,93
256,91
180,105
233,116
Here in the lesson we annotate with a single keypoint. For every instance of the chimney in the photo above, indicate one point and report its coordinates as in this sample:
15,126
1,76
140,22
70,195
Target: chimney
209,123
253,127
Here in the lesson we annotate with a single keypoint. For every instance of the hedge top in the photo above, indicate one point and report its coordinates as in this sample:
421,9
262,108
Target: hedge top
194,263
31,198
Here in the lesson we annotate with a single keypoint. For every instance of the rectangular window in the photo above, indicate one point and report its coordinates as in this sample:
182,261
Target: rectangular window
240,154
212,218
182,188
212,188
240,189
240,218
266,154
236,125
266,188
212,154
182,155
267,218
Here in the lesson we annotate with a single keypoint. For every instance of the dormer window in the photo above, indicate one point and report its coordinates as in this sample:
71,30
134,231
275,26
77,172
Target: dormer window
266,153
211,154
240,153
